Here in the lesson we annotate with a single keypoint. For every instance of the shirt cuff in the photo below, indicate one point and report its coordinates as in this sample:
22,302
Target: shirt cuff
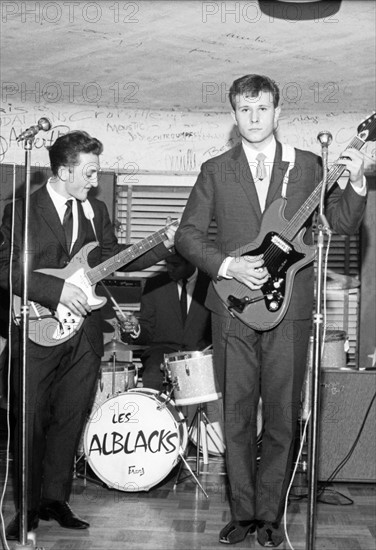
136,332
362,191
222,272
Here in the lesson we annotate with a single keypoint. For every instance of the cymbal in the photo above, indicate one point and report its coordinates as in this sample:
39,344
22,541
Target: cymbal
116,346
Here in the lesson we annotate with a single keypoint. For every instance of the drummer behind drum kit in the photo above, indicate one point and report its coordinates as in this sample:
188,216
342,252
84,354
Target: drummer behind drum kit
134,436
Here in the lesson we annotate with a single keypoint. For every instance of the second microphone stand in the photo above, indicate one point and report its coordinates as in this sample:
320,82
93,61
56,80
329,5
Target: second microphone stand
313,449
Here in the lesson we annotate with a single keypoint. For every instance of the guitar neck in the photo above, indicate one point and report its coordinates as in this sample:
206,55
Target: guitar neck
308,207
126,256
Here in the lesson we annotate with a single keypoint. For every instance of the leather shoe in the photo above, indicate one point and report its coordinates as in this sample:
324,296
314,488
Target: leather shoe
62,513
236,531
12,532
269,534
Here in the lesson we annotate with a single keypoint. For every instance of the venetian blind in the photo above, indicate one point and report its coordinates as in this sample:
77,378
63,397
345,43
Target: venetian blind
143,206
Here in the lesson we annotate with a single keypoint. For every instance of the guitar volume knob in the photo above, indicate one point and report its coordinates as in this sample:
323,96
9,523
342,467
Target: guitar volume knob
273,305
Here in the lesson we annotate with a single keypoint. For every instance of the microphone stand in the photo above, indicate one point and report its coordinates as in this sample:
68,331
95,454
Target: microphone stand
23,431
322,227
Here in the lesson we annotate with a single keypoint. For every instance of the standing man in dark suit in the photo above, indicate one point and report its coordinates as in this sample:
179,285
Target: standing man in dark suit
61,379
162,325
235,188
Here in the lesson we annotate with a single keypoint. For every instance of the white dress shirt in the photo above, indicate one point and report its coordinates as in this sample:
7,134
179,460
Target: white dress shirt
60,205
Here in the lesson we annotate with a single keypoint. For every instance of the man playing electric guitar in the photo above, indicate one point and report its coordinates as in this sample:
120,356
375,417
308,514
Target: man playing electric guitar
235,188
61,378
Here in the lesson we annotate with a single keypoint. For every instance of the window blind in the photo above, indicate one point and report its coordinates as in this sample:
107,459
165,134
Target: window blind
143,205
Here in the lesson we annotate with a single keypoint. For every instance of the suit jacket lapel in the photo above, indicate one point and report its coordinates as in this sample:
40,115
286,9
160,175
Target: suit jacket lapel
49,214
244,176
279,170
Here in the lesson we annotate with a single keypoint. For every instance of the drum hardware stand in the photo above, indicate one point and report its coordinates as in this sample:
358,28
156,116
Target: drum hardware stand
325,139
184,460
200,420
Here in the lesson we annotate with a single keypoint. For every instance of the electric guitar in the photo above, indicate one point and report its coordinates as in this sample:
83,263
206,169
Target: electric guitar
50,328
281,243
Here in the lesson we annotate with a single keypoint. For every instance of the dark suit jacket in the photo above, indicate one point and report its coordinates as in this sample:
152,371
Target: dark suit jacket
48,250
161,321
225,190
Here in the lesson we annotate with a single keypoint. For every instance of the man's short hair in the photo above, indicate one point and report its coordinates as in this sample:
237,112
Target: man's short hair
66,149
251,85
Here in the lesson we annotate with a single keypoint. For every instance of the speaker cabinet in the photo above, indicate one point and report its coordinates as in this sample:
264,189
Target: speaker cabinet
345,398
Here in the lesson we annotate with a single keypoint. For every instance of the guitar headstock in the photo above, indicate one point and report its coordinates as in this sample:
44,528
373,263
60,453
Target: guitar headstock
367,129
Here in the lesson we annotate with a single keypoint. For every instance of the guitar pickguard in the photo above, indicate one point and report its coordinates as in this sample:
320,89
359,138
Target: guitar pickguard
279,256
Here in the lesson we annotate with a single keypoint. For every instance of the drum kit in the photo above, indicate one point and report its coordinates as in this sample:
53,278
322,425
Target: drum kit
134,436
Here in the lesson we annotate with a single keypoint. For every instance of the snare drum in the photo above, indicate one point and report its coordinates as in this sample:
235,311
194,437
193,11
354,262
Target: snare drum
115,378
135,439
192,376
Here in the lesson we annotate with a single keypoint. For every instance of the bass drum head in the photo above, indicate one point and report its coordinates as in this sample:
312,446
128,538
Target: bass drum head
133,440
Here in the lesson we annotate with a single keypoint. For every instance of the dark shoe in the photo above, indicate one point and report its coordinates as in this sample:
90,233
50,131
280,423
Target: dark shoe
269,535
12,532
62,513
236,531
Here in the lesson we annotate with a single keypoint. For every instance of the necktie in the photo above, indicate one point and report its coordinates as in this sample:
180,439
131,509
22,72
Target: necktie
183,300
68,224
260,169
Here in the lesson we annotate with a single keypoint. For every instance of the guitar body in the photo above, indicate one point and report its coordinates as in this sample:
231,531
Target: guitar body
263,309
50,328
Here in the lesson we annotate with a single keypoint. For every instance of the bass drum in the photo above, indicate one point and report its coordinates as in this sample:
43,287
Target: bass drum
134,439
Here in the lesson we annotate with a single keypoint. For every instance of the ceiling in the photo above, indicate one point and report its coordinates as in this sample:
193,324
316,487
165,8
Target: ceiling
183,55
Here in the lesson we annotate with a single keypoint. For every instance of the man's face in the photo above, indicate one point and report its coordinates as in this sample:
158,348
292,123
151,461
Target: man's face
81,177
256,117
178,268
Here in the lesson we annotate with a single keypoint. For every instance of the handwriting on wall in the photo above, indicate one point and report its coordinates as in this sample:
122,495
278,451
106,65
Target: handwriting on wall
159,140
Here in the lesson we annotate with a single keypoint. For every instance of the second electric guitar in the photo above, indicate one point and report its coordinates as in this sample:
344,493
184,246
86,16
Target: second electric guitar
50,328
281,243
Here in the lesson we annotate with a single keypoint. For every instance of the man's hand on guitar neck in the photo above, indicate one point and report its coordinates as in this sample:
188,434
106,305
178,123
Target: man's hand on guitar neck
249,270
354,162
75,299
170,233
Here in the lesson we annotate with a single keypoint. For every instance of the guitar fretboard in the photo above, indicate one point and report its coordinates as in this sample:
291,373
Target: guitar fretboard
108,267
307,208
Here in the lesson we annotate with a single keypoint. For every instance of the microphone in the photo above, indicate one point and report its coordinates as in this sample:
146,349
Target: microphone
43,124
325,138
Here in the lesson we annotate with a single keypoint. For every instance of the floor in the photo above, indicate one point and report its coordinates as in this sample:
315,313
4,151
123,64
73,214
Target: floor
182,518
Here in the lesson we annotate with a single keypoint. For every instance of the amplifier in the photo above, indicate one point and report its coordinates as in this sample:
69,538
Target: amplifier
346,396
125,291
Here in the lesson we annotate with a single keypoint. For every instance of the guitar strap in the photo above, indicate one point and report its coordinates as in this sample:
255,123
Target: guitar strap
89,214
288,155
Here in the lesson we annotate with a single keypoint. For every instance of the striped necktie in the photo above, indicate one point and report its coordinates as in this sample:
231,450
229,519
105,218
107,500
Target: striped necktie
260,169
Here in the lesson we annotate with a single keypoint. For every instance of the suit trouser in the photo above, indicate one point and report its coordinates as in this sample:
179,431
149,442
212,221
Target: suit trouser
60,388
250,365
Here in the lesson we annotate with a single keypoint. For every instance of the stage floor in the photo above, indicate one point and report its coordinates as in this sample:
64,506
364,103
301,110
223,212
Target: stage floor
184,519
